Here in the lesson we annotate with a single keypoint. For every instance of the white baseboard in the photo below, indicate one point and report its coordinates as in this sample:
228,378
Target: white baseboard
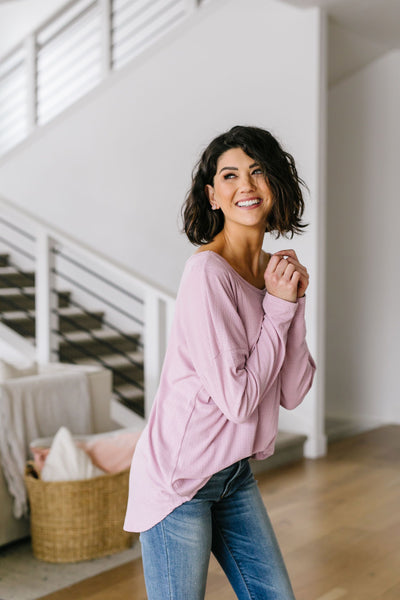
340,427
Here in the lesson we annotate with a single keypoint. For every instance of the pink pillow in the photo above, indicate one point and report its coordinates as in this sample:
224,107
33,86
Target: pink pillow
112,453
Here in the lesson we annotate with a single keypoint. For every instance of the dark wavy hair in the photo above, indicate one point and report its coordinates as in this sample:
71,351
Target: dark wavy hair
201,224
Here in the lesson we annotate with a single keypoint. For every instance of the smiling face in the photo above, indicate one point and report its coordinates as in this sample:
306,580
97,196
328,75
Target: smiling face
240,190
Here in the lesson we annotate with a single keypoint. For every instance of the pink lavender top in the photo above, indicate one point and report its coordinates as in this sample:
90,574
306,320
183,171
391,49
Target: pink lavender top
235,354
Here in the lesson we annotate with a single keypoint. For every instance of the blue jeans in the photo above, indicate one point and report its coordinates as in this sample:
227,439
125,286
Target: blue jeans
226,517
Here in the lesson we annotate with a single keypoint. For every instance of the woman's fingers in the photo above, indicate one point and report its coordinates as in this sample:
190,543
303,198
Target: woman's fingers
281,267
290,269
273,263
281,278
290,253
284,266
300,268
291,257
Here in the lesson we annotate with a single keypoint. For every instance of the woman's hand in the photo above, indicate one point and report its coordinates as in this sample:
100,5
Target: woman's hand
285,277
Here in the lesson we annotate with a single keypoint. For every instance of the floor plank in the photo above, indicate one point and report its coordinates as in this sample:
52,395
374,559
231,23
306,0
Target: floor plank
337,520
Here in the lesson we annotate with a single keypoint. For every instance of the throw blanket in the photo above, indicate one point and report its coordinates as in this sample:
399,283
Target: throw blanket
32,407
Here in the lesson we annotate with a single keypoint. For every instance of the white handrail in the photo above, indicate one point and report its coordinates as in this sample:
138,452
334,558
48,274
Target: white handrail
85,251
158,304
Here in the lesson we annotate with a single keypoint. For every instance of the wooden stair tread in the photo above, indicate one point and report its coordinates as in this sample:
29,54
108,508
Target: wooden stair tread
115,360
79,345
12,300
4,258
63,313
101,334
130,391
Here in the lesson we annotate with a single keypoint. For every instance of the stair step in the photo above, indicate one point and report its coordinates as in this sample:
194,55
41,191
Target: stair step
9,278
4,260
124,416
107,341
289,448
68,321
16,301
76,320
133,398
123,370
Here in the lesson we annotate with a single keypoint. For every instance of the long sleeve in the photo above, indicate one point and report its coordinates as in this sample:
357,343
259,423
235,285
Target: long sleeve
222,382
299,367
235,374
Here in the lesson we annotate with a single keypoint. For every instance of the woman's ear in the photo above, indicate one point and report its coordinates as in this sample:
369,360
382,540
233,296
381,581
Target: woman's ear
209,190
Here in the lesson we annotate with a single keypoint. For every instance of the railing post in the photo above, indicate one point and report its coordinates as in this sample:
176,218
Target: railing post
155,339
46,300
106,59
31,79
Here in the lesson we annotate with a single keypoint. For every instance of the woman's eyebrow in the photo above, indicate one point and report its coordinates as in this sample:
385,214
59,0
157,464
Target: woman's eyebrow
236,169
229,169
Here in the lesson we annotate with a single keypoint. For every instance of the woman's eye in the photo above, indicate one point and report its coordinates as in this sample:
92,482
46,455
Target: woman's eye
257,172
229,176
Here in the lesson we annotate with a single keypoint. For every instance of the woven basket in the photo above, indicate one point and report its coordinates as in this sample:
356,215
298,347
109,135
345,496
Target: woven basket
77,520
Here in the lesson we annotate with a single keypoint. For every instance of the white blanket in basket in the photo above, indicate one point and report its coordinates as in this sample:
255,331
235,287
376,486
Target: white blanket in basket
33,407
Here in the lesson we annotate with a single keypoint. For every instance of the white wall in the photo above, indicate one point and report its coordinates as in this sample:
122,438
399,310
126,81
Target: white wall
363,327
113,172
18,19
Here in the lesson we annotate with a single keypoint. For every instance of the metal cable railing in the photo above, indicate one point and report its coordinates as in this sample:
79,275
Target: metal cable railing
137,406
85,268
122,370
18,281
13,323
72,53
117,330
102,315
22,302
101,361
100,340
19,230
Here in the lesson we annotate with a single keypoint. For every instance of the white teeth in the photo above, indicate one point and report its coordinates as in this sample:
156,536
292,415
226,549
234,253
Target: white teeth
248,202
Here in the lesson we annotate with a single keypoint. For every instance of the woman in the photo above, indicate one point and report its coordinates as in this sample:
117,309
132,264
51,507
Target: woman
236,352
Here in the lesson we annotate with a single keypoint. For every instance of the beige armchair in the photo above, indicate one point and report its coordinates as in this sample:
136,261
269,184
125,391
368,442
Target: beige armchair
100,382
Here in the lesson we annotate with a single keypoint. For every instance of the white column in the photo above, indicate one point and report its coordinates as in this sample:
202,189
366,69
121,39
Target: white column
31,80
46,300
155,339
316,444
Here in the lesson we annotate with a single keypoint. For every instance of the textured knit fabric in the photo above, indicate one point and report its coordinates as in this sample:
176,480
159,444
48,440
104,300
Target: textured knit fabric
235,354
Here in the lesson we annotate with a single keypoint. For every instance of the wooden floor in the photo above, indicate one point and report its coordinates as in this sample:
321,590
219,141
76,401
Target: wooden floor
337,520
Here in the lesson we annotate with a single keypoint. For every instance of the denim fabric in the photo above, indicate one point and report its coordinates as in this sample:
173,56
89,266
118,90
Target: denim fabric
227,516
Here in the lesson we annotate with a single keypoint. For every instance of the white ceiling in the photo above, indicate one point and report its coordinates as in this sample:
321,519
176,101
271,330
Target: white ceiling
359,30
378,20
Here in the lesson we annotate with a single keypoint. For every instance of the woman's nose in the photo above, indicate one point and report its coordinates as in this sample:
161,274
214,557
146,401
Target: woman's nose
247,183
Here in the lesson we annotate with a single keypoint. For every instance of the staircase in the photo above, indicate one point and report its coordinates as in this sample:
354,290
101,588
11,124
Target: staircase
84,338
